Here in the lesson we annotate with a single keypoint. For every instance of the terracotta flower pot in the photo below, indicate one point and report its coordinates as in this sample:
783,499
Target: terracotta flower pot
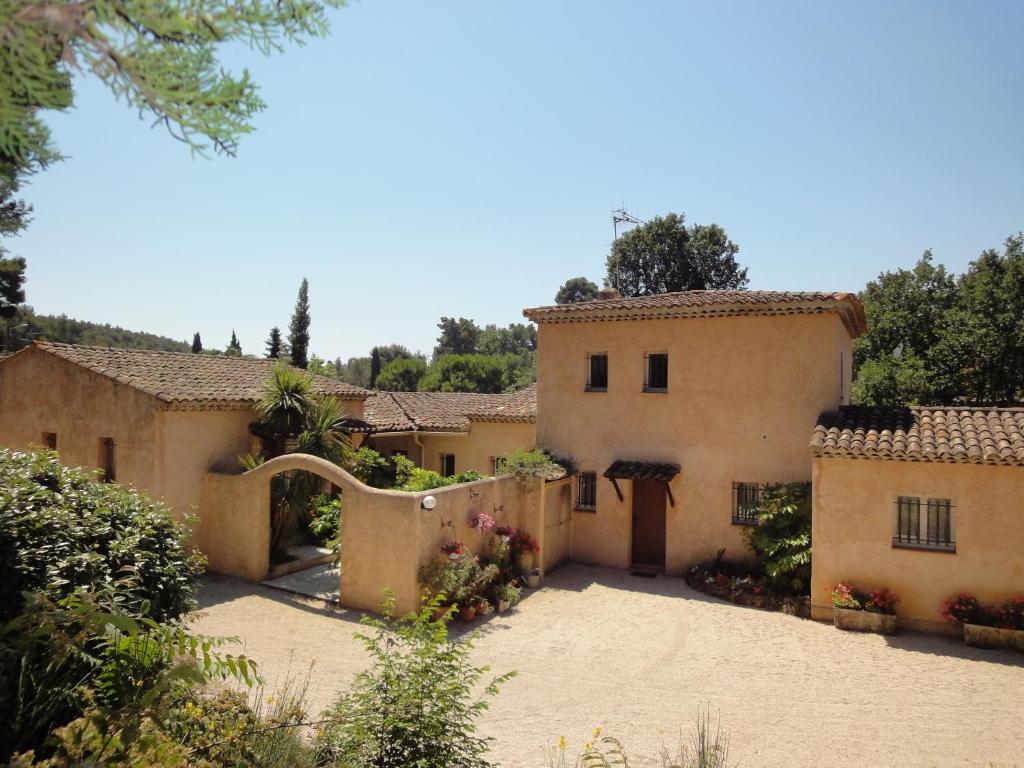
481,608
981,636
864,621
440,612
467,613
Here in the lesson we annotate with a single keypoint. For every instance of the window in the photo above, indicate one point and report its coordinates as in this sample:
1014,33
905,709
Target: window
745,498
403,454
656,372
496,465
108,459
597,373
586,491
50,440
931,530
447,464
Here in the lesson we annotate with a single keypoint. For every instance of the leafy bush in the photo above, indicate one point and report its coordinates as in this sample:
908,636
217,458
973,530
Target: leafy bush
781,541
63,531
371,468
416,704
325,523
426,479
534,463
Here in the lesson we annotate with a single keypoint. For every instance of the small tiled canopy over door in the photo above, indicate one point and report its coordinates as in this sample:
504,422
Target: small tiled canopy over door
649,499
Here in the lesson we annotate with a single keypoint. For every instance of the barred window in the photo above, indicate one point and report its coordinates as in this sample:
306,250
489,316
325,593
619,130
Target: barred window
656,372
745,499
597,373
586,491
931,530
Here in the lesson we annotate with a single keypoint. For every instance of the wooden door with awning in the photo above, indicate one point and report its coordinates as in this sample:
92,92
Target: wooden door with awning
650,491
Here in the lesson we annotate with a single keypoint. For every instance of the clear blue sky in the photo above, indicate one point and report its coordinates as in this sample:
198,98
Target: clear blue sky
441,158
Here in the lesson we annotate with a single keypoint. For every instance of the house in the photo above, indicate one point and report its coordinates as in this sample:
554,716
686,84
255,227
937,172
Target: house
924,501
678,407
452,432
155,420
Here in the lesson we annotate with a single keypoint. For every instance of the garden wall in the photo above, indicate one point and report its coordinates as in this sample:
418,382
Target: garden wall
385,535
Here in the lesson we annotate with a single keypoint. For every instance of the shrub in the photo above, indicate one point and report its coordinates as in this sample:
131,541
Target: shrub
63,531
531,464
781,541
416,704
371,468
326,521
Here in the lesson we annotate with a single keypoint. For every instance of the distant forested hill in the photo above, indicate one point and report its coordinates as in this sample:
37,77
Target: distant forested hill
28,326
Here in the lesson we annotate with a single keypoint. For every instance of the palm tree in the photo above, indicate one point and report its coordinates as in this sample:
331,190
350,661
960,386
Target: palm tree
323,434
285,404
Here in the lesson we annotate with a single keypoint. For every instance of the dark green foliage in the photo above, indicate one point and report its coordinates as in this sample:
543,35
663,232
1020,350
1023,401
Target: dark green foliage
298,329
67,330
274,343
234,346
160,58
375,366
517,338
534,463
61,531
12,281
479,373
417,704
356,370
665,255
197,343
781,541
402,375
458,337
576,289
286,400
14,217
325,522
937,339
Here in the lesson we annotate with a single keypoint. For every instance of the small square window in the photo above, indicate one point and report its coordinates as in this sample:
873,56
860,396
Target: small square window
656,372
447,464
746,497
932,530
597,373
50,440
586,491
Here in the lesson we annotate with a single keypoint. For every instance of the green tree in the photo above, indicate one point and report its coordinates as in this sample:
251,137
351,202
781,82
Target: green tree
158,56
298,330
402,375
234,346
274,343
375,366
14,217
665,255
895,362
197,343
516,338
576,289
356,370
465,373
285,402
458,337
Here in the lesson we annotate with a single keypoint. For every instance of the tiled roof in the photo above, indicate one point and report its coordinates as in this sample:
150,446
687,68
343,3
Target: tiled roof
187,380
641,470
941,434
447,411
707,304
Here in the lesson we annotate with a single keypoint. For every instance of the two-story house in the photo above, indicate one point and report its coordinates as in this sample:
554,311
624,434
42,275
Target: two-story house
677,408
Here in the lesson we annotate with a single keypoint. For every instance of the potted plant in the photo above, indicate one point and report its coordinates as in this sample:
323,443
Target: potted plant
481,606
985,626
506,595
467,612
533,578
860,611
453,550
523,547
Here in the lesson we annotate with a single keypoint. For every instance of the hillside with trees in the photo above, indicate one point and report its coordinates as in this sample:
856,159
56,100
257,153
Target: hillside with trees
27,326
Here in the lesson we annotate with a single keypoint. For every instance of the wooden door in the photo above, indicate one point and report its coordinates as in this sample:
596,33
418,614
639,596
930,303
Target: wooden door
649,523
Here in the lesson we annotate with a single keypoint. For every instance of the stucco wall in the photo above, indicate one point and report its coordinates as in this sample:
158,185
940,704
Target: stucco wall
744,394
40,392
472,451
854,506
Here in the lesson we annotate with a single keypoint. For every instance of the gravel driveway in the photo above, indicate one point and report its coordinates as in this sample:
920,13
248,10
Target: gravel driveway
637,656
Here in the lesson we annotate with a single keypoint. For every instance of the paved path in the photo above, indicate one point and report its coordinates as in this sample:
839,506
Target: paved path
638,657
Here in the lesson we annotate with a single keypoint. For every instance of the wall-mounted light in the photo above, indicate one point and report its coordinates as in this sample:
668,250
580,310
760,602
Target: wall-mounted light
428,503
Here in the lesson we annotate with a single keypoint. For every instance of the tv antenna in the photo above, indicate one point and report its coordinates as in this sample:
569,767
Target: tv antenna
622,216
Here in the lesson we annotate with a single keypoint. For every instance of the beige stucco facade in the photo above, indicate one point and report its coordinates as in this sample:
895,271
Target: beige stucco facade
853,519
473,450
743,397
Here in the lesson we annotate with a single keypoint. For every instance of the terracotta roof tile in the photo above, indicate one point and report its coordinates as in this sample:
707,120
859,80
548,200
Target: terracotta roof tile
641,470
184,379
707,304
447,411
943,434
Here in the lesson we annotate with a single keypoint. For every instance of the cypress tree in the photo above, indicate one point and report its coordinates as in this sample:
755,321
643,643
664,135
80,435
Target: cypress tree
274,343
374,366
298,330
197,343
234,347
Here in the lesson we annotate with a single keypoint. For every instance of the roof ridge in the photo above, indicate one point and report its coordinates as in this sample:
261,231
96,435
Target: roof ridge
401,407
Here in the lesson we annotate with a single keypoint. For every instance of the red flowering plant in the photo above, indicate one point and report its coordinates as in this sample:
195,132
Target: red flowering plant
964,608
881,601
455,548
843,596
506,531
1011,614
481,522
873,601
523,543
